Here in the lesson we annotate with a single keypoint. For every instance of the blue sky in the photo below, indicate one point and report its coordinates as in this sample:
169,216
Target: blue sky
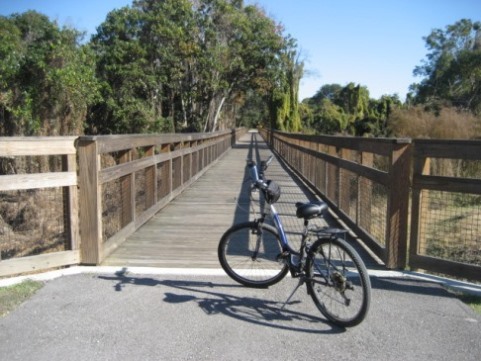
375,43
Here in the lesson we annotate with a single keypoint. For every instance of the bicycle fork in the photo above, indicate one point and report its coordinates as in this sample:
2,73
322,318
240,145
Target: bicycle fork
258,233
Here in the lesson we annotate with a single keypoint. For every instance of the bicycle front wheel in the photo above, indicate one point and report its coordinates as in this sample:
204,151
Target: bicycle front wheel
249,254
338,282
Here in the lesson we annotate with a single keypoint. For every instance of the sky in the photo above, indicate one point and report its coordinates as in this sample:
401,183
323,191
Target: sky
374,43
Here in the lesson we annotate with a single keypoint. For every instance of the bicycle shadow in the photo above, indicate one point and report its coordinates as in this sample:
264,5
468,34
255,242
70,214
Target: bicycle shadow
258,311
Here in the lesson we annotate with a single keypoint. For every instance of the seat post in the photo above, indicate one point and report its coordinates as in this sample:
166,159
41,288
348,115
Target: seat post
306,229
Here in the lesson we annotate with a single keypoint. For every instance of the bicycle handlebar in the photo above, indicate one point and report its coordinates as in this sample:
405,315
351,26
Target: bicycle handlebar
257,175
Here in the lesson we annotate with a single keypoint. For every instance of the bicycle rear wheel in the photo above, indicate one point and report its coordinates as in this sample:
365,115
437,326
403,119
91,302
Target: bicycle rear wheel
249,254
338,282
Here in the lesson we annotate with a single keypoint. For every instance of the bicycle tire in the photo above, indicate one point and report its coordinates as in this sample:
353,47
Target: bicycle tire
251,267
338,282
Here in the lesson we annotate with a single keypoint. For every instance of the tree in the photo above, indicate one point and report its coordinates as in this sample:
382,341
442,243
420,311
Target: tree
11,53
186,65
47,80
328,91
452,70
349,110
125,76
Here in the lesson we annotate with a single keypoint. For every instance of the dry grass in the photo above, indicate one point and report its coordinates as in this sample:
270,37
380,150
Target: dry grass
31,222
415,122
451,230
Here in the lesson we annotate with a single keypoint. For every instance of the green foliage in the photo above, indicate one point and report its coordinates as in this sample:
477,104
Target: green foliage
452,71
178,65
348,110
157,65
47,81
445,104
175,60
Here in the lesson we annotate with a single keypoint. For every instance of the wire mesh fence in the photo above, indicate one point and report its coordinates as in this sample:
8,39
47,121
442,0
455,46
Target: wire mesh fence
383,196
451,226
32,222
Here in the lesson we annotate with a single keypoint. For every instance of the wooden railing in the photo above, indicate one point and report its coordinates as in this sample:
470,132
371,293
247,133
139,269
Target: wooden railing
446,207
127,179
38,196
118,183
382,189
414,203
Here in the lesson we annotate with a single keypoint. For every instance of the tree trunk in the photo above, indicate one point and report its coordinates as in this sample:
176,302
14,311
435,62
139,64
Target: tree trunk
217,113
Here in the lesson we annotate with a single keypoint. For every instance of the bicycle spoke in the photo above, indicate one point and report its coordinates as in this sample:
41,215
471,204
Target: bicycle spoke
338,282
249,254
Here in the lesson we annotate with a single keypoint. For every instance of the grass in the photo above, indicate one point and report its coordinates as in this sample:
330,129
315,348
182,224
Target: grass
472,301
12,296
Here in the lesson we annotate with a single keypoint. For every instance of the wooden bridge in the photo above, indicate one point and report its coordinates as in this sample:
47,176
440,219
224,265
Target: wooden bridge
165,200
186,232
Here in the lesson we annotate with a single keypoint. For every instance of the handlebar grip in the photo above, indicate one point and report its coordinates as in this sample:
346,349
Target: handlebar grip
269,160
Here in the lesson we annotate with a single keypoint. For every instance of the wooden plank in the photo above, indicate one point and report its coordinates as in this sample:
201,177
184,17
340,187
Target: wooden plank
451,149
72,204
186,232
20,146
381,146
456,269
38,263
120,170
114,143
37,180
398,207
90,203
447,184
375,175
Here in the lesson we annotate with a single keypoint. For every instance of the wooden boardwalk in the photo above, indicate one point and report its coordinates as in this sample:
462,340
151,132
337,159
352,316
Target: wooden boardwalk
187,231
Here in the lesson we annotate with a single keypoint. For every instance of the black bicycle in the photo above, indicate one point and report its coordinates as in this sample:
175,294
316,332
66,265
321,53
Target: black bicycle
257,254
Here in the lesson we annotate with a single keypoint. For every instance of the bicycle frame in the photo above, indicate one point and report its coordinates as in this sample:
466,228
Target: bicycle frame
257,175
280,229
257,254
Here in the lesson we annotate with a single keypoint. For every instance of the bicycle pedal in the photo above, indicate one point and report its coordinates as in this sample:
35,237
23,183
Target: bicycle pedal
284,254
282,257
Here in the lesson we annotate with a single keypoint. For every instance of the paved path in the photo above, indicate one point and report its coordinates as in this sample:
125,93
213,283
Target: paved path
128,316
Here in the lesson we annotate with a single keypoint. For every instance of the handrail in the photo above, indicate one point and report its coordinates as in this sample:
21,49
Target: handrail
384,190
79,178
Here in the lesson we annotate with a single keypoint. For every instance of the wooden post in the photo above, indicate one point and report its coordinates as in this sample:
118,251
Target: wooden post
166,176
344,192
332,177
127,190
233,137
398,205
421,166
364,202
71,215
150,180
91,247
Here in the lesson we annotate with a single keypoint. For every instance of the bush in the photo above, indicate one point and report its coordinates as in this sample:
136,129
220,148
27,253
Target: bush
415,122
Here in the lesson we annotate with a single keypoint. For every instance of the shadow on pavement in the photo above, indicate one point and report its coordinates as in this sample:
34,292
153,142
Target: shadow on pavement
212,301
410,286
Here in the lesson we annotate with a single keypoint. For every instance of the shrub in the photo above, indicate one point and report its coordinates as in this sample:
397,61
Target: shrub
415,122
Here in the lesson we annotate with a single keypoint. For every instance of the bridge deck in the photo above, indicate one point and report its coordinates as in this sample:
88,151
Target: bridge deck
187,231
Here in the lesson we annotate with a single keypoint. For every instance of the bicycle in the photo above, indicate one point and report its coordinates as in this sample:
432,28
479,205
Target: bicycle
257,254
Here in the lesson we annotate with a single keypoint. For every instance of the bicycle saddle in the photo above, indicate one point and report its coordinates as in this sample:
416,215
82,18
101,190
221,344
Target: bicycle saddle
310,210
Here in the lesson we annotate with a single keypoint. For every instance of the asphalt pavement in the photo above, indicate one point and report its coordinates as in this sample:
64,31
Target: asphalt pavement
125,315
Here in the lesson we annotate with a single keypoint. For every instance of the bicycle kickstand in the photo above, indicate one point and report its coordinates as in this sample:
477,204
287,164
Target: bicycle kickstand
299,284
